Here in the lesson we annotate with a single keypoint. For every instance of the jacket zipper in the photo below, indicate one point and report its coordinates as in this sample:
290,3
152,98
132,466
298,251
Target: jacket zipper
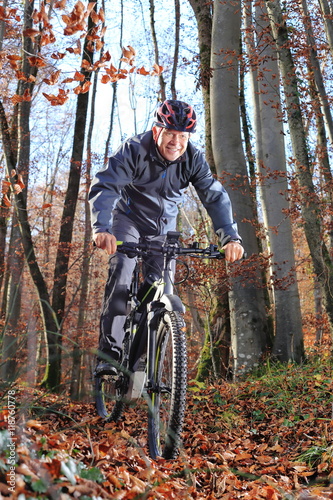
158,221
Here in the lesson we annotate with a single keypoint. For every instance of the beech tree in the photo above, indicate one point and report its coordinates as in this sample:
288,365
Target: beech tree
17,152
249,327
272,180
308,199
203,15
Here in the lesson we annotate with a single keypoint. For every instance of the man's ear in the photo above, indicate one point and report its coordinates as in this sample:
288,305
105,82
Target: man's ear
156,132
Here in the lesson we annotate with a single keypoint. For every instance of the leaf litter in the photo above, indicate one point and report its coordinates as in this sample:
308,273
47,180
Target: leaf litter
264,437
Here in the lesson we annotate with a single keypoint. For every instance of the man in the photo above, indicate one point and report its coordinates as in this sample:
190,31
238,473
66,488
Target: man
137,194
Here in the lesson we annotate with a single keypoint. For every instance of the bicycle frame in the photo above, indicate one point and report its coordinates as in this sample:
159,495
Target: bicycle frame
142,341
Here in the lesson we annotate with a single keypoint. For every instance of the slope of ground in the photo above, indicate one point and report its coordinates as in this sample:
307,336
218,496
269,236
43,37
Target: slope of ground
266,437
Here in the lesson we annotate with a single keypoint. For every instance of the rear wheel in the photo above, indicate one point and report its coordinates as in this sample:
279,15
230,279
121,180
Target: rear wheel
167,398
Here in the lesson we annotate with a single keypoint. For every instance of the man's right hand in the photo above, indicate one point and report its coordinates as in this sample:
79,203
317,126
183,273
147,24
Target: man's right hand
106,241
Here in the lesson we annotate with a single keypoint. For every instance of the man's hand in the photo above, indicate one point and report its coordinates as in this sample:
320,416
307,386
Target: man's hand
233,251
106,241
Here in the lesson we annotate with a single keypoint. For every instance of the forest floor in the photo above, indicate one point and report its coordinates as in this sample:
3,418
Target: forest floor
268,436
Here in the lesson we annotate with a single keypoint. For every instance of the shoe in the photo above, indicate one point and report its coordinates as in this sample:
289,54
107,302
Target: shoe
104,368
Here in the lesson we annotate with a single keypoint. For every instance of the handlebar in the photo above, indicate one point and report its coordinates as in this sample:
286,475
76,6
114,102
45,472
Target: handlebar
133,249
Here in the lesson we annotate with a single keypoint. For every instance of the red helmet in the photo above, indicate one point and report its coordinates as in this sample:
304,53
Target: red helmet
176,115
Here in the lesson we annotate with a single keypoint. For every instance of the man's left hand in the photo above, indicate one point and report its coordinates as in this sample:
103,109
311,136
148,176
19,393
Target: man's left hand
233,251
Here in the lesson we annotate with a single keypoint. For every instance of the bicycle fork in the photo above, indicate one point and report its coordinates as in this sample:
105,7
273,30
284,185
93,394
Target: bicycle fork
152,323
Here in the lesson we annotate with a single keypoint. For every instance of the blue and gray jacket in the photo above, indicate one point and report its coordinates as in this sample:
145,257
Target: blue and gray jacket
145,187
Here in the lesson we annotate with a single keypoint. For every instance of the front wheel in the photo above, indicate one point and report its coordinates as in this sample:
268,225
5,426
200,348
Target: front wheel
167,397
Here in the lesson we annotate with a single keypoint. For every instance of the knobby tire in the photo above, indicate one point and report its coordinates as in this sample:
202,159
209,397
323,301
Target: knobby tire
167,400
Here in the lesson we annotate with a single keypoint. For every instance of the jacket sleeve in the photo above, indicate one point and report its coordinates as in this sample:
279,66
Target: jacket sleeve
106,188
215,199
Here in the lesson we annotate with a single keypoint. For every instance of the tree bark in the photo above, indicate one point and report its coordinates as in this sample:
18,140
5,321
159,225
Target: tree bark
310,205
203,14
78,386
249,328
327,13
162,92
176,51
19,152
68,215
49,321
316,71
272,172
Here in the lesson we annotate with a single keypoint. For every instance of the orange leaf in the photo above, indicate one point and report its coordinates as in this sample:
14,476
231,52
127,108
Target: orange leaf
58,55
47,38
94,16
20,182
36,61
98,45
264,459
115,481
142,71
54,77
58,100
13,58
157,70
33,424
6,201
101,15
105,79
68,80
31,33
79,77
90,7
77,50
82,89
60,5
46,205
86,65
129,55
13,61
16,99
21,76
242,456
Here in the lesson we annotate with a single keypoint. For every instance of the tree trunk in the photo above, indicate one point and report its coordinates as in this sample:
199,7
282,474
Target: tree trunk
248,319
162,93
176,51
10,340
49,321
215,354
203,14
327,13
78,385
272,170
68,215
310,206
114,89
316,71
19,153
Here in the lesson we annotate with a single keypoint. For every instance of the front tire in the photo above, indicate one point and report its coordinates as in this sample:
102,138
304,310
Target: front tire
167,399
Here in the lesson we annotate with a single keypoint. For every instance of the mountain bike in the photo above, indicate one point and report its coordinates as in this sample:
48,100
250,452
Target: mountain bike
154,359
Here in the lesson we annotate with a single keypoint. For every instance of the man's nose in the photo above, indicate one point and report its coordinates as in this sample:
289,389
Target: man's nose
175,139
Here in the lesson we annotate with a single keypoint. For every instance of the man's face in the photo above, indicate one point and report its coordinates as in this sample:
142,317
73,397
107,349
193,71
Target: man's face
172,143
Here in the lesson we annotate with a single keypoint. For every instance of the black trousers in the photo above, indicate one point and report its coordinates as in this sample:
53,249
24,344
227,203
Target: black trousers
114,308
